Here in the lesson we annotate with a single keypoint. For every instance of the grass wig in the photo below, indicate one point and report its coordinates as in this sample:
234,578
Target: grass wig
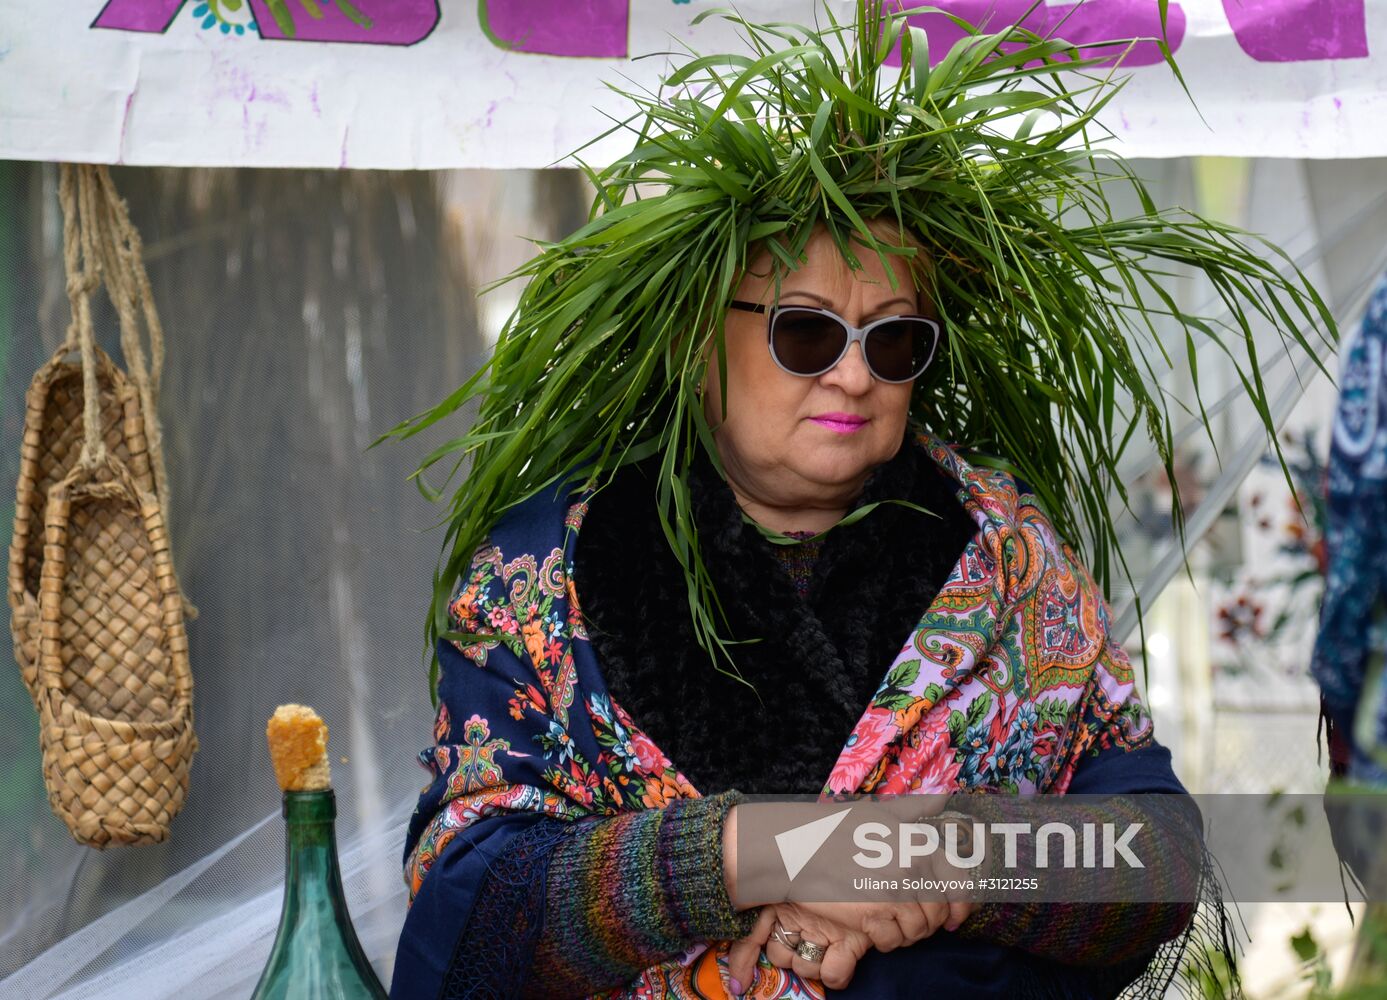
985,163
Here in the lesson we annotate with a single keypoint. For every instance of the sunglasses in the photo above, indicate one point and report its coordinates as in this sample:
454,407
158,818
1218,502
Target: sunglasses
808,341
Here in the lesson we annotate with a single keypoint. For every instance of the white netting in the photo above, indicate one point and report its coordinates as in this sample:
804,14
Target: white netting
306,314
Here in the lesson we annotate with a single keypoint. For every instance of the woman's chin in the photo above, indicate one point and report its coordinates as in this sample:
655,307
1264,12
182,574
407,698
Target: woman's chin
837,467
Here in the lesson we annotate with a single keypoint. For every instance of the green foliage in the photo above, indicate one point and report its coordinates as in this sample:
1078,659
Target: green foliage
958,728
1209,973
904,674
1052,712
978,708
1314,965
1050,303
894,694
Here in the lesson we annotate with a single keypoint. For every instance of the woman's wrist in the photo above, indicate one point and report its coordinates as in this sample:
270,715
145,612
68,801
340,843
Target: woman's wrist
687,860
733,871
746,912
746,889
729,857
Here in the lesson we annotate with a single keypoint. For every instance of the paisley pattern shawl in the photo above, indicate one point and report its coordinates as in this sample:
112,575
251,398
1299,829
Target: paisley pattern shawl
1009,678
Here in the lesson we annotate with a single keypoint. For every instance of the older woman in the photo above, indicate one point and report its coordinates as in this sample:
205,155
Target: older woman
703,552
815,426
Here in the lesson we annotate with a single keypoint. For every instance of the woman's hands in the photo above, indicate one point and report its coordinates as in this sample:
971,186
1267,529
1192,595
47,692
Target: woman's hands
843,947
845,930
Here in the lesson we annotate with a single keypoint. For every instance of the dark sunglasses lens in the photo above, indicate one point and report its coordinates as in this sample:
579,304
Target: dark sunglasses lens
901,349
806,342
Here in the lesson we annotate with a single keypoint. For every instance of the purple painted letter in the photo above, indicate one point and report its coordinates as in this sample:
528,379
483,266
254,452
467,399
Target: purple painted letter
988,15
138,15
1105,20
383,22
1093,21
1296,30
558,27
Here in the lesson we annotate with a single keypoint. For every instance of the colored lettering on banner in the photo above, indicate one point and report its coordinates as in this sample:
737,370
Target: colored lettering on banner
1299,30
1267,30
1088,22
592,28
138,15
372,22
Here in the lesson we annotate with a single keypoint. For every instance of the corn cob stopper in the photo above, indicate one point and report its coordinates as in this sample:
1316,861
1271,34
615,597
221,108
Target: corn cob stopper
298,749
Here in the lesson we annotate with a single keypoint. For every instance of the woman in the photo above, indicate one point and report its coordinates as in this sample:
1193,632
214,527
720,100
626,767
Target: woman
798,451
701,553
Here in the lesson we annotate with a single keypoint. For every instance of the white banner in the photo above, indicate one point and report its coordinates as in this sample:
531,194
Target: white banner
510,83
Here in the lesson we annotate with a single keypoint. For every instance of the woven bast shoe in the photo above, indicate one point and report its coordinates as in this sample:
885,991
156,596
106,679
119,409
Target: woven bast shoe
52,443
115,685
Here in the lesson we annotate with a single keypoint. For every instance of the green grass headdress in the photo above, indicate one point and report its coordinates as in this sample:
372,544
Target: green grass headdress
1051,304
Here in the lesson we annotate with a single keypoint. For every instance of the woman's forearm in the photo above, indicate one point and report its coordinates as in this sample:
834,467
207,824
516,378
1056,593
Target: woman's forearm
1100,933
629,891
1081,934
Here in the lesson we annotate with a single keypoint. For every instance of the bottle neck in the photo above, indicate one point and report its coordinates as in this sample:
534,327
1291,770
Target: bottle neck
316,951
310,861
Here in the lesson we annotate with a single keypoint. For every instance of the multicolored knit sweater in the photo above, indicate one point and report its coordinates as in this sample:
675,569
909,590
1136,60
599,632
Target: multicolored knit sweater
566,857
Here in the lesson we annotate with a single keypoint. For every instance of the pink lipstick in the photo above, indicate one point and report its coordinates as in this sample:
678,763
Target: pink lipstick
841,423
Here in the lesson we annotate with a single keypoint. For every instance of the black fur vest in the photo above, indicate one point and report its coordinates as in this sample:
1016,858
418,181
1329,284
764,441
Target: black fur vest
819,658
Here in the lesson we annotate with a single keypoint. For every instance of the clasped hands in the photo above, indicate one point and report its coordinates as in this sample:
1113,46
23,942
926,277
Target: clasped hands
844,930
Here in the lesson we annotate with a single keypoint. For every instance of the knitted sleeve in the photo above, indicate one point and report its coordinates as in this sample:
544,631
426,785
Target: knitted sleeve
1107,933
630,891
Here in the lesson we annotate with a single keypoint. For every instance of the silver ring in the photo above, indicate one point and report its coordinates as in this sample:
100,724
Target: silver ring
783,936
811,952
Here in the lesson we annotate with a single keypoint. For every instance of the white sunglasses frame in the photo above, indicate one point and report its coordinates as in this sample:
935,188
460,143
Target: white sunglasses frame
856,335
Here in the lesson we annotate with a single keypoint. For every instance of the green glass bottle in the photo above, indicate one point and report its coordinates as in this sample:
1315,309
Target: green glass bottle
316,955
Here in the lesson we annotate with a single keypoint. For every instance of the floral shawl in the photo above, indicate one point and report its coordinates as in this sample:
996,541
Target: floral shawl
1009,678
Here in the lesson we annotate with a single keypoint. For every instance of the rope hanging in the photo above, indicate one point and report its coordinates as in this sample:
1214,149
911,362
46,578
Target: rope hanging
98,614
100,243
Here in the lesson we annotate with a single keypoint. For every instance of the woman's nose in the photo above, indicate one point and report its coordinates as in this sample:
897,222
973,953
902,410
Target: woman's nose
850,374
